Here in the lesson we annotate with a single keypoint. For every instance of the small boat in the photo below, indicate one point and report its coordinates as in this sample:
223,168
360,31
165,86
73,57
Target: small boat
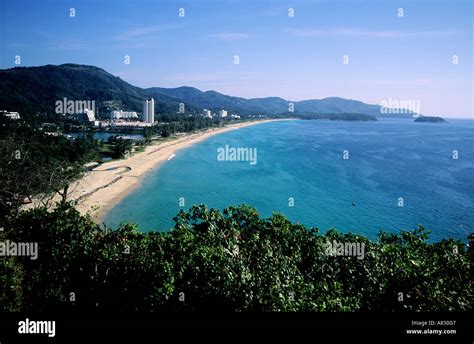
171,156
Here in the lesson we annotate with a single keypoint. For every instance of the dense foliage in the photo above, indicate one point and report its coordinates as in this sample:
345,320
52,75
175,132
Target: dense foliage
172,124
233,260
121,147
33,163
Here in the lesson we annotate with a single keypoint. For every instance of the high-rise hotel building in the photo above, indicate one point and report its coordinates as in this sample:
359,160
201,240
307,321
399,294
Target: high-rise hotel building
149,111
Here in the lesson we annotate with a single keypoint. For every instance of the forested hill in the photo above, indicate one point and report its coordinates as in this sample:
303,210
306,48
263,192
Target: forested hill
36,89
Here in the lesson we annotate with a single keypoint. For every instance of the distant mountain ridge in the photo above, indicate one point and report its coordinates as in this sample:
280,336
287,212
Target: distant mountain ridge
36,89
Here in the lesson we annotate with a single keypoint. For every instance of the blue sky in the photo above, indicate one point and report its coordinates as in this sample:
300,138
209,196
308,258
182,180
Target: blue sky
300,57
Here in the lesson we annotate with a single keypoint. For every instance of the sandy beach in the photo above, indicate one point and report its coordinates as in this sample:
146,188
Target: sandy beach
100,189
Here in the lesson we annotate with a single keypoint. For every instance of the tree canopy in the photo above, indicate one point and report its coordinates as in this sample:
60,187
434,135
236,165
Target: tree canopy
233,260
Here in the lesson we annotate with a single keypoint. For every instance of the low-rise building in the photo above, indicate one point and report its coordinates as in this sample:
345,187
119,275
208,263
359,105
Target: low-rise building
130,125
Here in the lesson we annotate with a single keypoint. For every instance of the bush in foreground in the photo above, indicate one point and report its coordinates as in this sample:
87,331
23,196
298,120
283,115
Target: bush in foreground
230,261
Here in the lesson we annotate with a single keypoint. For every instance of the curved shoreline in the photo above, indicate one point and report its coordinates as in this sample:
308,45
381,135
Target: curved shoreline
103,187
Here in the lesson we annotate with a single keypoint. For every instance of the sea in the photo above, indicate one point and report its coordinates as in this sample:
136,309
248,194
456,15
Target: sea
361,177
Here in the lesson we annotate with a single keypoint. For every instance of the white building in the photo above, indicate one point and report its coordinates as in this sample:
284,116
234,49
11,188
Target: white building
149,111
235,116
222,113
145,111
119,114
207,113
130,125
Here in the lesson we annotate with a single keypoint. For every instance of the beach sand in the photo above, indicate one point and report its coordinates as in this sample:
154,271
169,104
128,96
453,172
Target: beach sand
103,187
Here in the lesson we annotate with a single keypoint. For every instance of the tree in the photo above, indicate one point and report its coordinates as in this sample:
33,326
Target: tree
121,148
37,166
62,176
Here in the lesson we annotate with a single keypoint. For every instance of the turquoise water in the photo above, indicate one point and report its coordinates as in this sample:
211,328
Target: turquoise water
303,160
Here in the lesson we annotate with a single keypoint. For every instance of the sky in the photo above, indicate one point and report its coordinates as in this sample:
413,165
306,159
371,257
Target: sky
390,57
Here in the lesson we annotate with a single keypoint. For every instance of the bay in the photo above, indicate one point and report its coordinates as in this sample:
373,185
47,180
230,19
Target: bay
398,174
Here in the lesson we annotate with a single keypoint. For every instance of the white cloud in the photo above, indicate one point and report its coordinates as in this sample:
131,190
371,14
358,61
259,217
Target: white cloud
140,32
353,32
228,36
